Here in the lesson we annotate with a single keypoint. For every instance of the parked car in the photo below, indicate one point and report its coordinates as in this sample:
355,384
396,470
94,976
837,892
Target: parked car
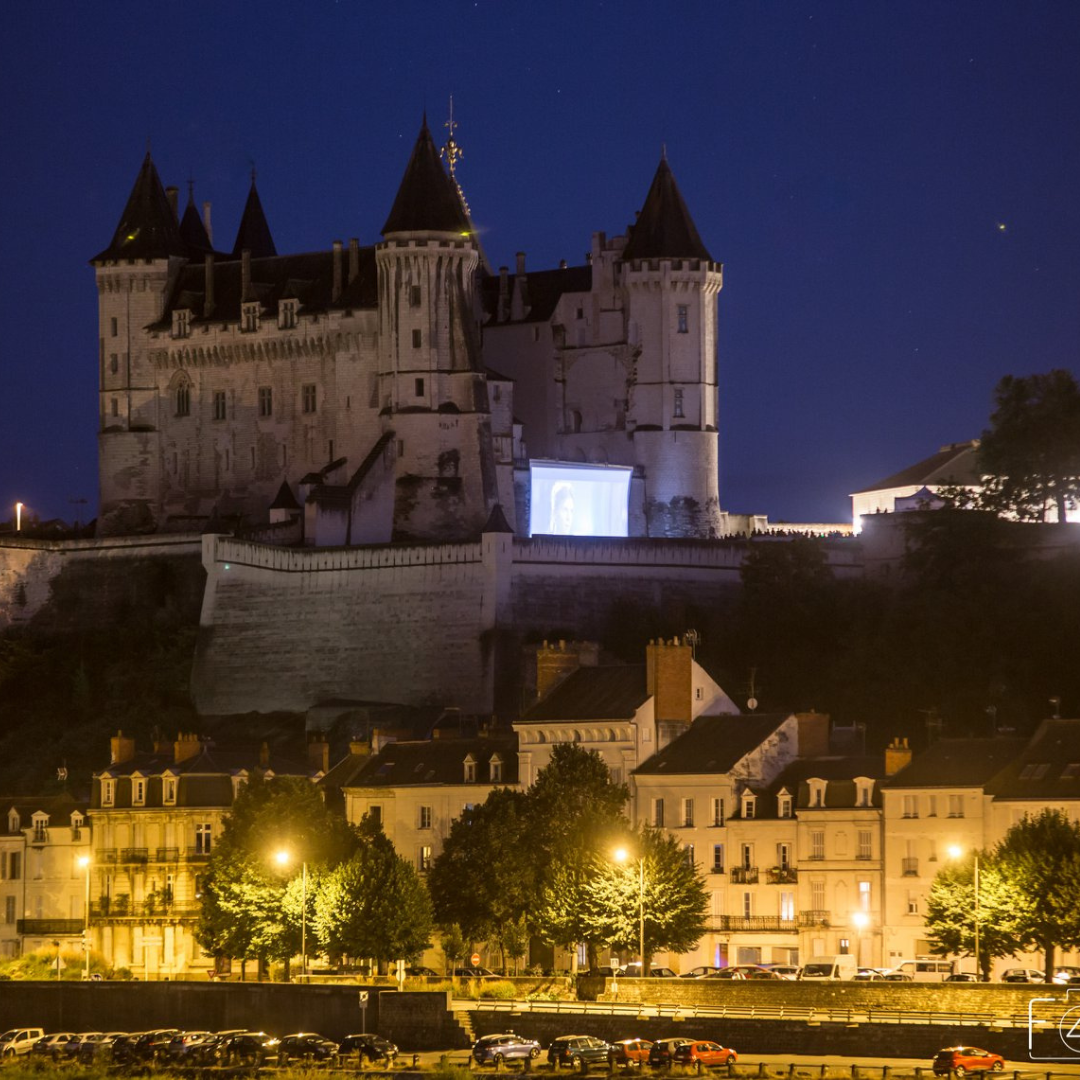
19,1041
662,1049
868,975
495,1049
248,1048
702,1053
154,1045
633,971
609,971
965,976
761,973
372,1047
572,1050
306,1046
958,1060
1023,975
71,1047
98,1047
177,1047
898,976
205,1051
785,971
418,972
630,1051
699,972
52,1046
1067,974
474,973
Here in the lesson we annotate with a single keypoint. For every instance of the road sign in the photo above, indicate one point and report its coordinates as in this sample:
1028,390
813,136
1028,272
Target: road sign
474,959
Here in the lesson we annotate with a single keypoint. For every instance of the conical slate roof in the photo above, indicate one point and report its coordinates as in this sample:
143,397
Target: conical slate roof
427,200
148,228
193,231
254,233
664,229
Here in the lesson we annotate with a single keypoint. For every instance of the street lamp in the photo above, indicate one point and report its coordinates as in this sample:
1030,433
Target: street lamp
860,920
621,856
956,852
84,862
283,858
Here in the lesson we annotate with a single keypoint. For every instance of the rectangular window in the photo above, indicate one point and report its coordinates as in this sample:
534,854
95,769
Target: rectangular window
425,817
864,895
414,296
417,339
748,905
15,866
108,792
718,812
683,315
911,806
932,801
113,328
419,387
181,326
41,832
718,858
658,813
677,409
866,844
749,808
287,315
168,791
913,904
817,895
956,806
308,397
817,844
424,860
183,399
115,407
138,792
375,813
9,904
219,405
249,318
688,855
114,363
785,806
783,856
203,838
688,813
787,907
747,856
266,401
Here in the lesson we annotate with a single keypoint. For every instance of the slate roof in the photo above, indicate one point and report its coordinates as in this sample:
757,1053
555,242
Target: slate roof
192,229
427,200
545,290
285,499
254,232
148,228
608,692
664,229
839,774
713,745
435,761
957,763
1047,769
58,807
953,464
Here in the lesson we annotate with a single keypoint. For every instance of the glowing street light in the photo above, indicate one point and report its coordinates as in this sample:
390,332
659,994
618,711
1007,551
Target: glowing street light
956,852
860,920
283,859
84,862
18,516
621,856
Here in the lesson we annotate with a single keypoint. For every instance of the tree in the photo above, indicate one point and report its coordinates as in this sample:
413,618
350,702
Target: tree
1030,454
374,905
1040,862
951,912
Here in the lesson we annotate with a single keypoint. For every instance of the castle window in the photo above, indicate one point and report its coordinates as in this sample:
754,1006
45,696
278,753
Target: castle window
266,401
682,313
115,407
219,405
108,792
307,393
287,315
249,317
678,405
114,363
414,296
181,324
417,339
183,399
419,387
113,328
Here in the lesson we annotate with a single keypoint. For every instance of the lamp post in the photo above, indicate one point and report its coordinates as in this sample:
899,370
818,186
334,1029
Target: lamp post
956,852
860,920
621,856
84,862
283,858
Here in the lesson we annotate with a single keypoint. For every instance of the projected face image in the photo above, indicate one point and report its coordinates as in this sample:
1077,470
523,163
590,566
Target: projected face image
562,509
576,500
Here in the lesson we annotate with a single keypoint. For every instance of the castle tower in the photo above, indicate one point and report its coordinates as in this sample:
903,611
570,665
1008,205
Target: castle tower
433,393
671,286
133,275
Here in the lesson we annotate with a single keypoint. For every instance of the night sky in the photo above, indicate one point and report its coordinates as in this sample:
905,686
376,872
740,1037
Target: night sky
893,189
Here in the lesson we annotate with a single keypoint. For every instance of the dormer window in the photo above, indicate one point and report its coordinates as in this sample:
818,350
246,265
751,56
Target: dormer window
168,790
496,766
783,804
238,781
181,323
817,792
108,792
138,791
287,315
41,828
864,791
77,821
470,770
249,317
749,805
14,823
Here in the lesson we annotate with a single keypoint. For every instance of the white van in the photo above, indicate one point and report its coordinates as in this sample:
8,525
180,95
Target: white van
830,967
922,969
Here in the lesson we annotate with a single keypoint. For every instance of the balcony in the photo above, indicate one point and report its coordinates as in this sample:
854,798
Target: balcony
909,867
814,917
781,875
120,908
49,927
756,922
744,875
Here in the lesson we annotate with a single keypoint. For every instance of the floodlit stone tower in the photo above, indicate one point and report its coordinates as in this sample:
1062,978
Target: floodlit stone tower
433,392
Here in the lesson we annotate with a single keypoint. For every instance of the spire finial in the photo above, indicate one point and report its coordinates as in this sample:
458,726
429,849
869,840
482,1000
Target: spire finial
452,153
663,151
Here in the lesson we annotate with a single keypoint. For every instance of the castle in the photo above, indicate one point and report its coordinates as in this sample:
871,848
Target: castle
400,392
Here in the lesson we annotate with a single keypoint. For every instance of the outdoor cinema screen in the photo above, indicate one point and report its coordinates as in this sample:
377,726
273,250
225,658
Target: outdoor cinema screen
578,500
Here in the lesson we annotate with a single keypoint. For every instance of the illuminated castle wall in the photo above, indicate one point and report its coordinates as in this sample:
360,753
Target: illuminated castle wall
377,388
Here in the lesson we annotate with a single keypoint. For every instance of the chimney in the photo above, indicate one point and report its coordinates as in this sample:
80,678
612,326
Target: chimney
670,678
173,195
562,264
813,729
318,752
208,297
354,259
503,310
245,276
359,748
264,755
897,755
186,746
555,662
335,292
121,748
160,743
520,262
206,221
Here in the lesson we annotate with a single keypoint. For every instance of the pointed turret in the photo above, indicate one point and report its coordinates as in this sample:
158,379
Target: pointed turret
665,229
192,230
148,228
254,233
427,200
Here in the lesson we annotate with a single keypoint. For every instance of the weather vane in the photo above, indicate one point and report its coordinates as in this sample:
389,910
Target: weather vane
453,153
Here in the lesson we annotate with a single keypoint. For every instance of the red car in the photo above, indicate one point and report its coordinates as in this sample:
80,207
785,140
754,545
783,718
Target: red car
702,1053
630,1051
964,1059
